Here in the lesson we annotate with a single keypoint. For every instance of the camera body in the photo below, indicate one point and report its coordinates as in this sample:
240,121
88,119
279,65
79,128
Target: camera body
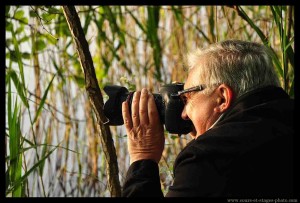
169,107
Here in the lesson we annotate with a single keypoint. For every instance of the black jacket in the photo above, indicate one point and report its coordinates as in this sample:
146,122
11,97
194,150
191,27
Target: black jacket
248,153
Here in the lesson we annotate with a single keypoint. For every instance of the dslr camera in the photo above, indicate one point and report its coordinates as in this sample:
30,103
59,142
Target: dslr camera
168,103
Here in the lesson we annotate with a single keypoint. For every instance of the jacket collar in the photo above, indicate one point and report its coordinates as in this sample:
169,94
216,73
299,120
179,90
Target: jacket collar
256,97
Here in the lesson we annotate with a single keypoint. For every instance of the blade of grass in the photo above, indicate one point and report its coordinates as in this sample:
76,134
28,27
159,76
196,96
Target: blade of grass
9,116
43,101
113,24
9,104
18,55
14,146
7,158
276,11
264,39
136,20
291,92
178,14
17,183
44,150
287,50
19,86
289,44
152,35
59,70
87,19
7,179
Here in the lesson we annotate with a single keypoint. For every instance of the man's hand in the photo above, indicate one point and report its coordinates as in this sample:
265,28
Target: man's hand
144,130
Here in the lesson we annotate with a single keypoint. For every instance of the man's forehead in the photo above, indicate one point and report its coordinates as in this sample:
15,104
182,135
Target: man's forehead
192,76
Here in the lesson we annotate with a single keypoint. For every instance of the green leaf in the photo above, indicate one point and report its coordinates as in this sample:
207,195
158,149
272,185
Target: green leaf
50,39
9,26
40,44
79,80
41,105
20,29
25,55
24,20
100,74
13,56
19,14
48,17
53,10
19,86
23,39
32,13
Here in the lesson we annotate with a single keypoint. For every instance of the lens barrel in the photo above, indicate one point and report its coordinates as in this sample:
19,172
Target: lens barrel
169,107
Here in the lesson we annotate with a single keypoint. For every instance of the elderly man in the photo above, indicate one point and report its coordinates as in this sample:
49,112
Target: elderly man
242,129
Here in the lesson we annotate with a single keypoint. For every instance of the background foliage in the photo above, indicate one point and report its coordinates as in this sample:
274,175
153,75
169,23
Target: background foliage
51,139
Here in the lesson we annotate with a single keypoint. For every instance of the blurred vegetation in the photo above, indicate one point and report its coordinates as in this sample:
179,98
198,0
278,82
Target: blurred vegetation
51,139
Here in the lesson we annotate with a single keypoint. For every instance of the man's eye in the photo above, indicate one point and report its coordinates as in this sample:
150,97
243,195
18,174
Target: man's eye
183,99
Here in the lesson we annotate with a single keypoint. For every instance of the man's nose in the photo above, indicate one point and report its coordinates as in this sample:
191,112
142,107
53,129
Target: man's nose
184,116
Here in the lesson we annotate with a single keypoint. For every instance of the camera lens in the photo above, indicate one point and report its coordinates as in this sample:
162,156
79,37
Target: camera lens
117,95
169,107
159,102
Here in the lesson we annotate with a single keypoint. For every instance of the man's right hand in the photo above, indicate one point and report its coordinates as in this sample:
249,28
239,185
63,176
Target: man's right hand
144,129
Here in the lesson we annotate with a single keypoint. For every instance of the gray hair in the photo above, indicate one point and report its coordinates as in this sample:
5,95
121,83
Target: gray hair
244,66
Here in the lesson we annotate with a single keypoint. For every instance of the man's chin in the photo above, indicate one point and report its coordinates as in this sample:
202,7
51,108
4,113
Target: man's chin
193,133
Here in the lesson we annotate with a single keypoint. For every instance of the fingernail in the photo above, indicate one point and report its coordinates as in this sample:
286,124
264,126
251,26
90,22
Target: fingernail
144,91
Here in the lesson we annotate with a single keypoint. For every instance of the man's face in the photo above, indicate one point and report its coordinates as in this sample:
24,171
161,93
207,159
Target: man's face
199,107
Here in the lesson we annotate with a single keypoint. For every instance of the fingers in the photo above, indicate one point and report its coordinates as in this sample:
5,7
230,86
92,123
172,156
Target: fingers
143,110
135,109
152,111
126,116
144,107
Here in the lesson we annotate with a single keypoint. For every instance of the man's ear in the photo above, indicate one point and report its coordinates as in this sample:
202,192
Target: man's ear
224,98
